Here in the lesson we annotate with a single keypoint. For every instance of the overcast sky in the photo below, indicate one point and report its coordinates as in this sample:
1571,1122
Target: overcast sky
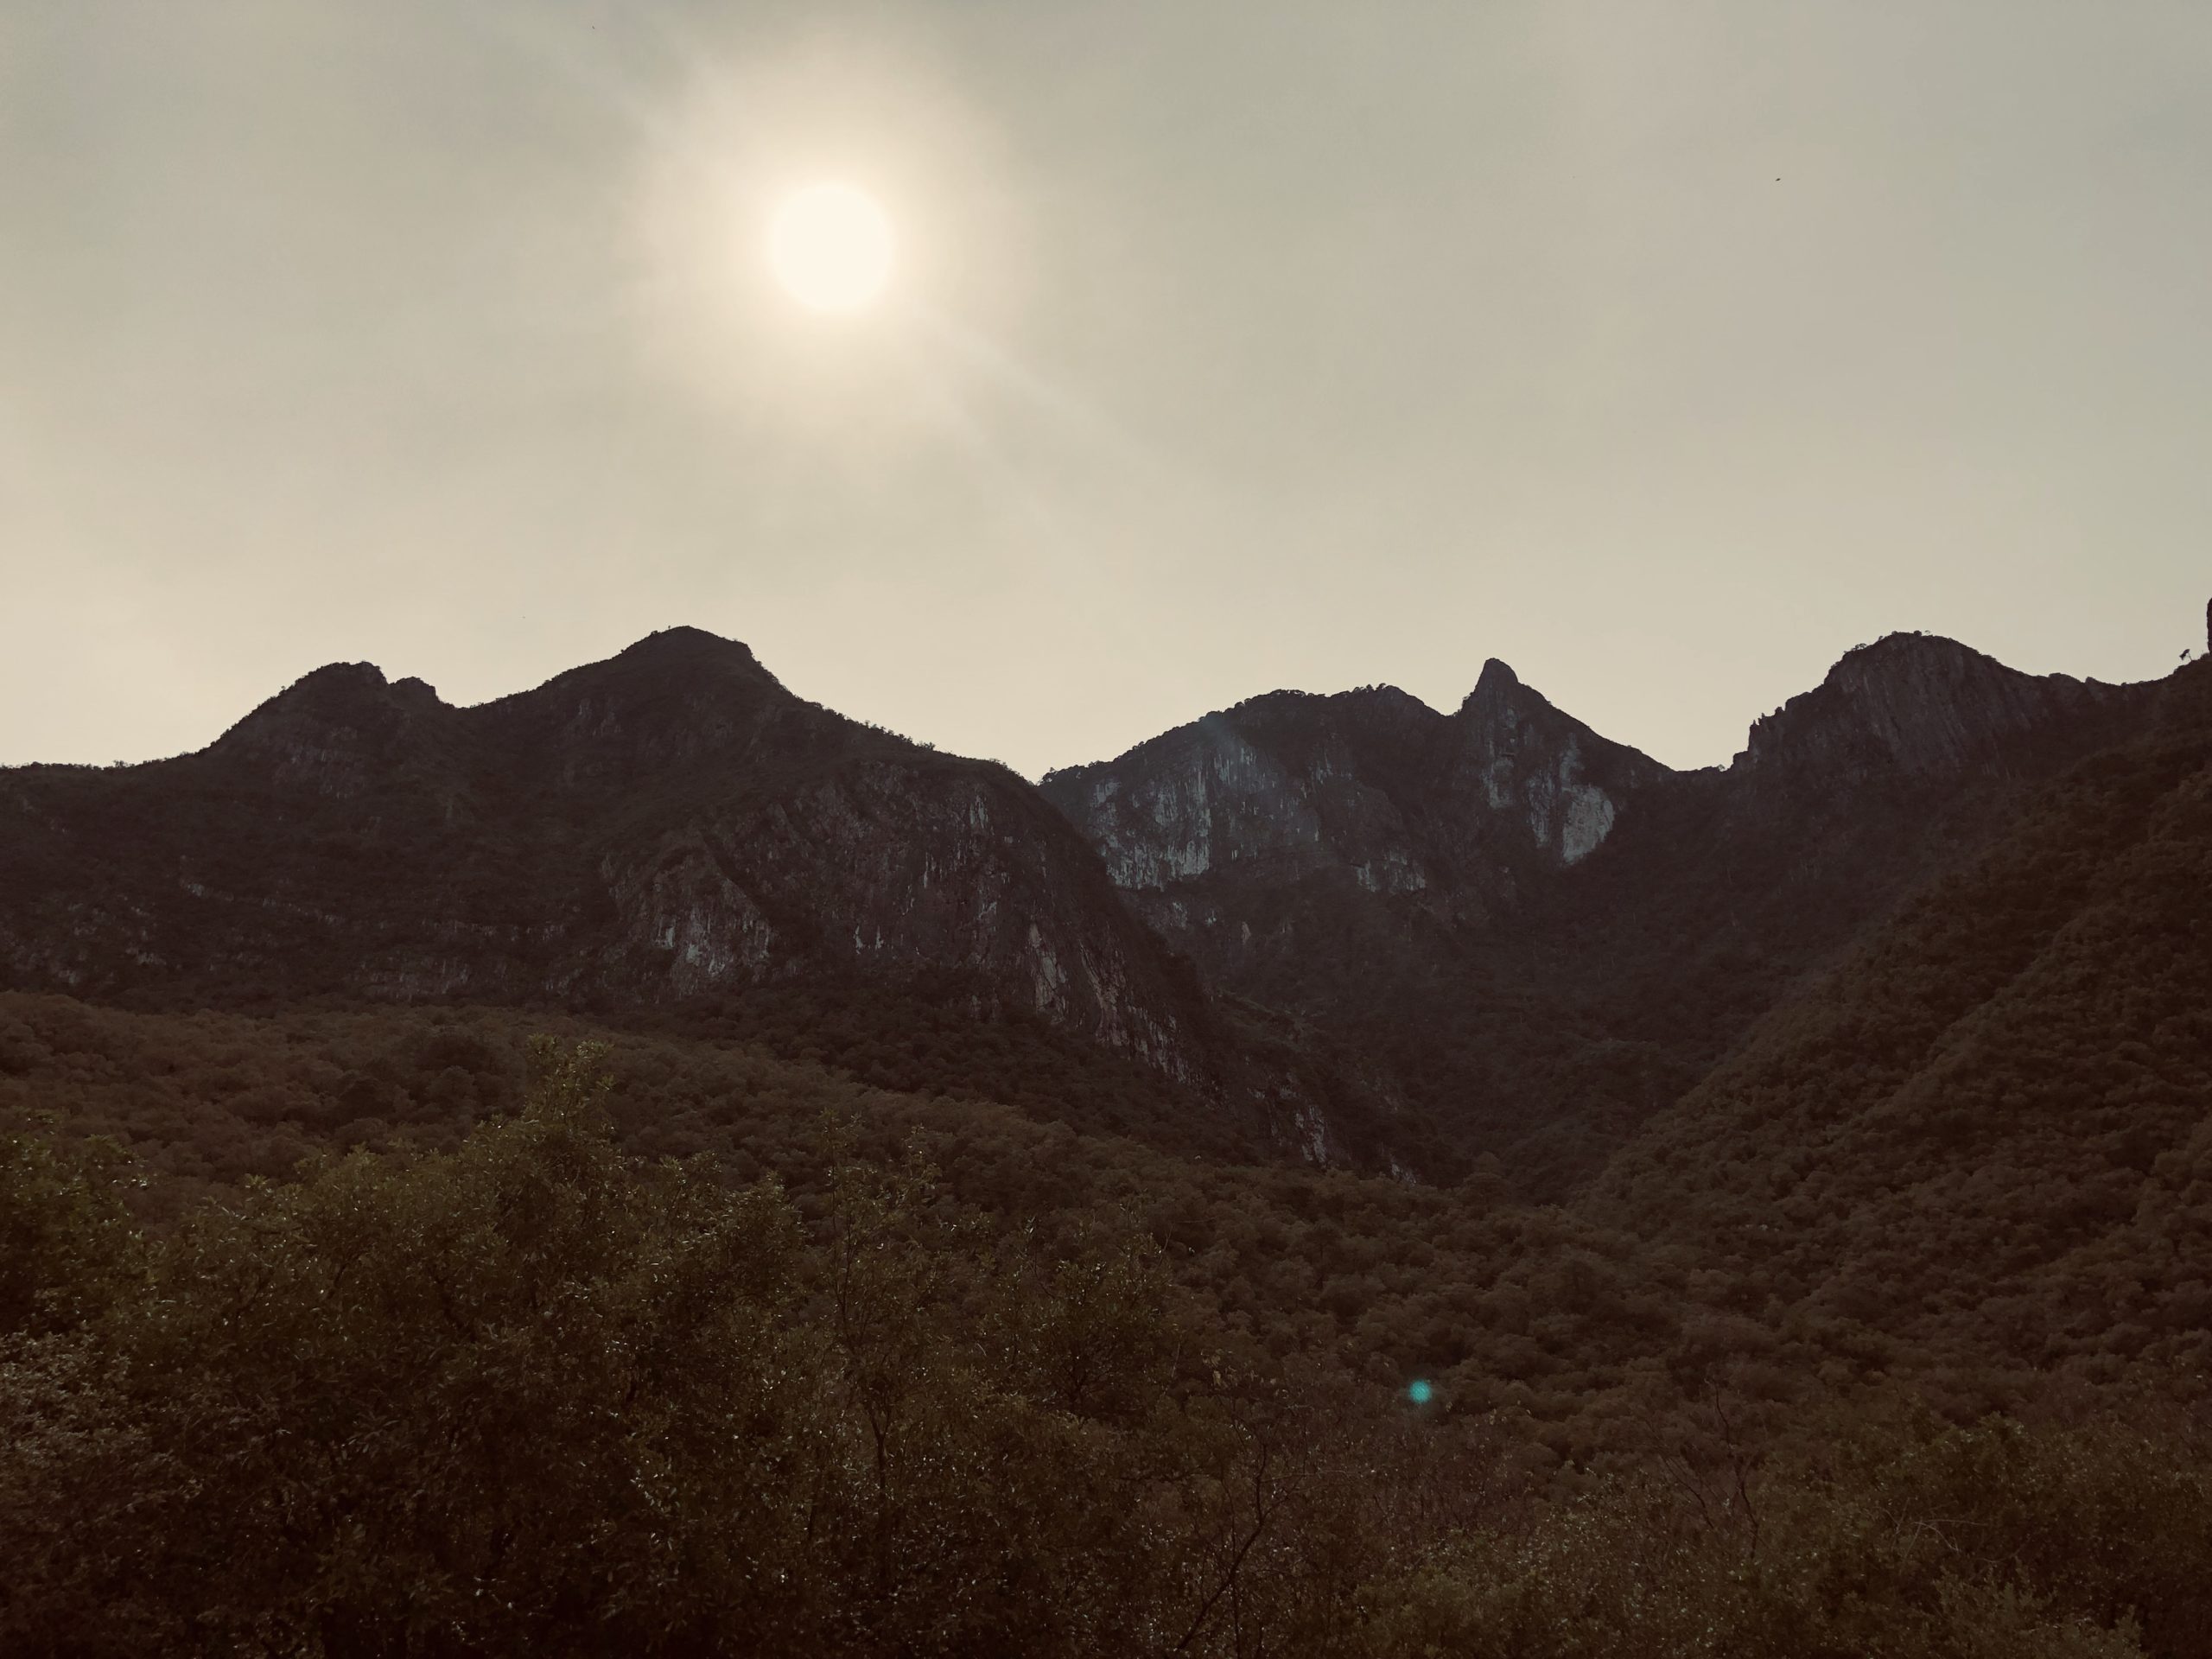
1665,351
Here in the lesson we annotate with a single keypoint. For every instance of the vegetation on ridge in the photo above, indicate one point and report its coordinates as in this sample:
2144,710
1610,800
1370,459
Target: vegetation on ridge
835,1325
535,1395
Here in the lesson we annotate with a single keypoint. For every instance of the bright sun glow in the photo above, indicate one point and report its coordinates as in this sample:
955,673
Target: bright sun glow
830,247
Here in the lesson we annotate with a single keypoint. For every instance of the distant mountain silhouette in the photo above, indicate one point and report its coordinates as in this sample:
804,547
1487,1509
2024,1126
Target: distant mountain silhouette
1531,937
1381,934
1781,1221
671,824
1985,1130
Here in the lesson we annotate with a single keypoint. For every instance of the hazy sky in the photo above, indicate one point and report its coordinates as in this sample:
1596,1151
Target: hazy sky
1664,351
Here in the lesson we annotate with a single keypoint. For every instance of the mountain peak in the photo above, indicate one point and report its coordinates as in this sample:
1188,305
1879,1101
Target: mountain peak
678,659
668,670
330,729
337,695
683,642
1497,679
1522,756
1901,651
1915,703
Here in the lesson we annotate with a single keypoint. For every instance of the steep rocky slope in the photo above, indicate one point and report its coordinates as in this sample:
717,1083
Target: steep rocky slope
1243,834
1380,933
1533,936
1990,1127
667,826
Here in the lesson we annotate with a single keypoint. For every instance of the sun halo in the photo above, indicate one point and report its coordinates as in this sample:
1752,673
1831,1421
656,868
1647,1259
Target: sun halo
831,248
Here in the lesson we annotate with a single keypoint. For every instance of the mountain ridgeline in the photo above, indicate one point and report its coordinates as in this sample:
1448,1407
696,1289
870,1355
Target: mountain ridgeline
659,828
1530,937
1348,926
649,1166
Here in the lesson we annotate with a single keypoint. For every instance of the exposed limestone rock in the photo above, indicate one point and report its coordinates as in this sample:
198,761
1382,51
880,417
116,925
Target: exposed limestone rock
669,823
1543,770
1490,929
1301,797
1920,706
1535,935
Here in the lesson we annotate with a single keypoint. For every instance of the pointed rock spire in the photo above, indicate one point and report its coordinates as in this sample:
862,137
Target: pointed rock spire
1529,760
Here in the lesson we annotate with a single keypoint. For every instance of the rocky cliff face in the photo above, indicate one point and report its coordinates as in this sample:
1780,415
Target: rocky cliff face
1537,936
1281,787
1916,706
1381,932
1369,795
1510,753
670,824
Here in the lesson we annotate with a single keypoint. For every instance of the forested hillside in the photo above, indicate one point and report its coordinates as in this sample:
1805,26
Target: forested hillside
666,825
534,1394
1531,938
1349,928
1988,1133
852,1317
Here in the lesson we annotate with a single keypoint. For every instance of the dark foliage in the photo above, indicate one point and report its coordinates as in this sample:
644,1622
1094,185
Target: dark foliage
534,1395
1399,880
1986,1134
636,834
851,1317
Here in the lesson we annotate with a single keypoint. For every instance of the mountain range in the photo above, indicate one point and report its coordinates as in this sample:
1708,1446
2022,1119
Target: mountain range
1347,929
1338,1178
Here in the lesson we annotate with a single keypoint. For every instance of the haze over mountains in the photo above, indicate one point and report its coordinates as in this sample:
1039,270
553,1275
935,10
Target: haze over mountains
1347,926
1339,1179
589,1154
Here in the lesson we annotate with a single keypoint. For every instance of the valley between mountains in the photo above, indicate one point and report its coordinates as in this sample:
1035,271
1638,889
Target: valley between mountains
1347,929
1738,1161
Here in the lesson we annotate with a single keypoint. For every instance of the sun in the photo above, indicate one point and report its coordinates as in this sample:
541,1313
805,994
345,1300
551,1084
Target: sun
831,247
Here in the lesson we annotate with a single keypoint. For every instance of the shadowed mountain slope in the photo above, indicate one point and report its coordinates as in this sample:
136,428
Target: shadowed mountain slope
1385,934
667,827
1532,936
1243,835
1989,1128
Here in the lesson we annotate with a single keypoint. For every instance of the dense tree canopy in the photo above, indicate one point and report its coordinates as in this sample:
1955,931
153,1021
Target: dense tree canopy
829,1328
537,1393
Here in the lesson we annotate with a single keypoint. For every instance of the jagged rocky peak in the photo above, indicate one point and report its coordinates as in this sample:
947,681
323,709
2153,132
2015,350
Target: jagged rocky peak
330,726
1278,786
676,698
690,647
1496,682
1519,755
1371,785
687,663
1921,705
668,823
337,694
